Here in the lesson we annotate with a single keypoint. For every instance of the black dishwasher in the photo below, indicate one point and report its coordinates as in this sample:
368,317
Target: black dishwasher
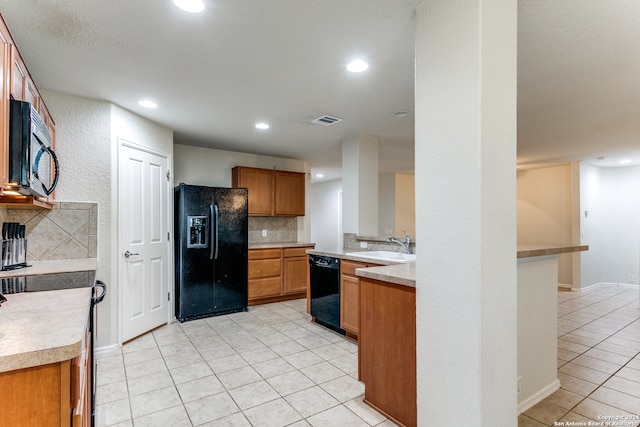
325,291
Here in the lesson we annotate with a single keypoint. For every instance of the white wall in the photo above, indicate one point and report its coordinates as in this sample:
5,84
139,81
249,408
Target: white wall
83,145
620,224
544,208
207,166
360,186
387,204
396,204
590,226
86,144
466,63
326,203
405,204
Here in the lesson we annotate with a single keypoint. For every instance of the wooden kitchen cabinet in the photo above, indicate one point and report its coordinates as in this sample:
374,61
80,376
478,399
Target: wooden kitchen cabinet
278,274
296,270
54,394
271,192
16,83
289,193
350,296
265,273
261,188
5,96
387,349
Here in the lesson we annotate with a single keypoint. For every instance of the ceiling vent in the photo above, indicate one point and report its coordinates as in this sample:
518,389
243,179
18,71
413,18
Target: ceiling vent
326,120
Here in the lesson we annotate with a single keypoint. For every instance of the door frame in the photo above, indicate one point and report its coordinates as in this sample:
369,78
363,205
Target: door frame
122,142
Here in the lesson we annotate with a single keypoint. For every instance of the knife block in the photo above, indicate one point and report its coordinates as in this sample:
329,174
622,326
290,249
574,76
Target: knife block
14,254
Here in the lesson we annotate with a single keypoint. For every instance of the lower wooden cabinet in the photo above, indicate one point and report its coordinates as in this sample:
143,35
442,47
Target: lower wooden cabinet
278,274
387,349
350,295
57,394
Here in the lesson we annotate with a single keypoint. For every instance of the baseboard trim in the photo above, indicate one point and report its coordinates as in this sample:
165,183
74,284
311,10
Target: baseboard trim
105,349
539,396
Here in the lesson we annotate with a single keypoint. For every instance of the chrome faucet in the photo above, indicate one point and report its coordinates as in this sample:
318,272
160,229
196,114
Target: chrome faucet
405,245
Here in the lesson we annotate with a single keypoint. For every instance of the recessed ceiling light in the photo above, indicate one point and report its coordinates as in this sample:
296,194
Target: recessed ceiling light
319,175
192,6
262,126
625,161
147,104
357,66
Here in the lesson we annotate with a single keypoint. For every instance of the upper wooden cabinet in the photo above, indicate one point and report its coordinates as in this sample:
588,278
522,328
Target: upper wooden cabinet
289,194
271,192
5,84
16,83
261,188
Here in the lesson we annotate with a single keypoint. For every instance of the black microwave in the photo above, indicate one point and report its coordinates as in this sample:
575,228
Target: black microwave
33,165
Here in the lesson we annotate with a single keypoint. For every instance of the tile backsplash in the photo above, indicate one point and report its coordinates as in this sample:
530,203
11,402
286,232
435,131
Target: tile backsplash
352,241
68,231
278,229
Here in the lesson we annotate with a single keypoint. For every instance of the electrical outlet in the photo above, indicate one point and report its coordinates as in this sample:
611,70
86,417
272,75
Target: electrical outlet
363,245
264,233
630,278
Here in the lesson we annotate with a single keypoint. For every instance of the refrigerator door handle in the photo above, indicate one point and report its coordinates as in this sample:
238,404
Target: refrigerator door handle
216,234
213,210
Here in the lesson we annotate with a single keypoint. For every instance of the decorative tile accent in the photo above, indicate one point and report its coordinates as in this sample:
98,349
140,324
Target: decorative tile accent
352,241
68,231
279,229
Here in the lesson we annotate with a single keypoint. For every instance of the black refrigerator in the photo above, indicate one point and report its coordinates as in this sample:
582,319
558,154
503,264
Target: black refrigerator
211,249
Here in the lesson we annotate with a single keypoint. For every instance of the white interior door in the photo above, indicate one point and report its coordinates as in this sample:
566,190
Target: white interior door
145,207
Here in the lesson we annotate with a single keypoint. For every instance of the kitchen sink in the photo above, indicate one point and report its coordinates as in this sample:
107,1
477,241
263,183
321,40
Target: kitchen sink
385,255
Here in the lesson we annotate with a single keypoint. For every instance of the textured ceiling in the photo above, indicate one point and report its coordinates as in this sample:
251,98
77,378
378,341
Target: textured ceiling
215,74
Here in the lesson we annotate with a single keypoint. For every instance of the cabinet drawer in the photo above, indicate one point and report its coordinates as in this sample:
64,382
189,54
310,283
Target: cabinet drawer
290,252
264,253
264,268
349,267
265,287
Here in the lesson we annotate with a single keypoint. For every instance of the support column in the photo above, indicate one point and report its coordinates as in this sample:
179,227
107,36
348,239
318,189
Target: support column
360,186
465,212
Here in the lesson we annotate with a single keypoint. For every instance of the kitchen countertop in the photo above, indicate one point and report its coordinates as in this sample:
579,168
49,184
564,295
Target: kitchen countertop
405,274
527,250
342,254
38,328
400,274
49,267
280,245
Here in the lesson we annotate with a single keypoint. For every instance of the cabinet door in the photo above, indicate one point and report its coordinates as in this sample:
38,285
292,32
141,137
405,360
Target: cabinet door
295,274
260,183
349,303
18,75
5,89
289,198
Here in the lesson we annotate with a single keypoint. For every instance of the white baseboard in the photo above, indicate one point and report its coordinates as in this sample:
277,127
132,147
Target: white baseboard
539,396
605,284
105,349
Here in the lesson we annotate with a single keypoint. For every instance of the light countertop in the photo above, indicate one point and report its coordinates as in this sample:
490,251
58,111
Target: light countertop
275,245
343,254
527,250
405,274
38,328
50,267
400,274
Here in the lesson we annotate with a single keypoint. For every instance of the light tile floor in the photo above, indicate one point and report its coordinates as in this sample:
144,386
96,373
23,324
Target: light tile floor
269,367
598,361
272,367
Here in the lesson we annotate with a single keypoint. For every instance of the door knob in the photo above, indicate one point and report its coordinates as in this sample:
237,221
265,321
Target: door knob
128,254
